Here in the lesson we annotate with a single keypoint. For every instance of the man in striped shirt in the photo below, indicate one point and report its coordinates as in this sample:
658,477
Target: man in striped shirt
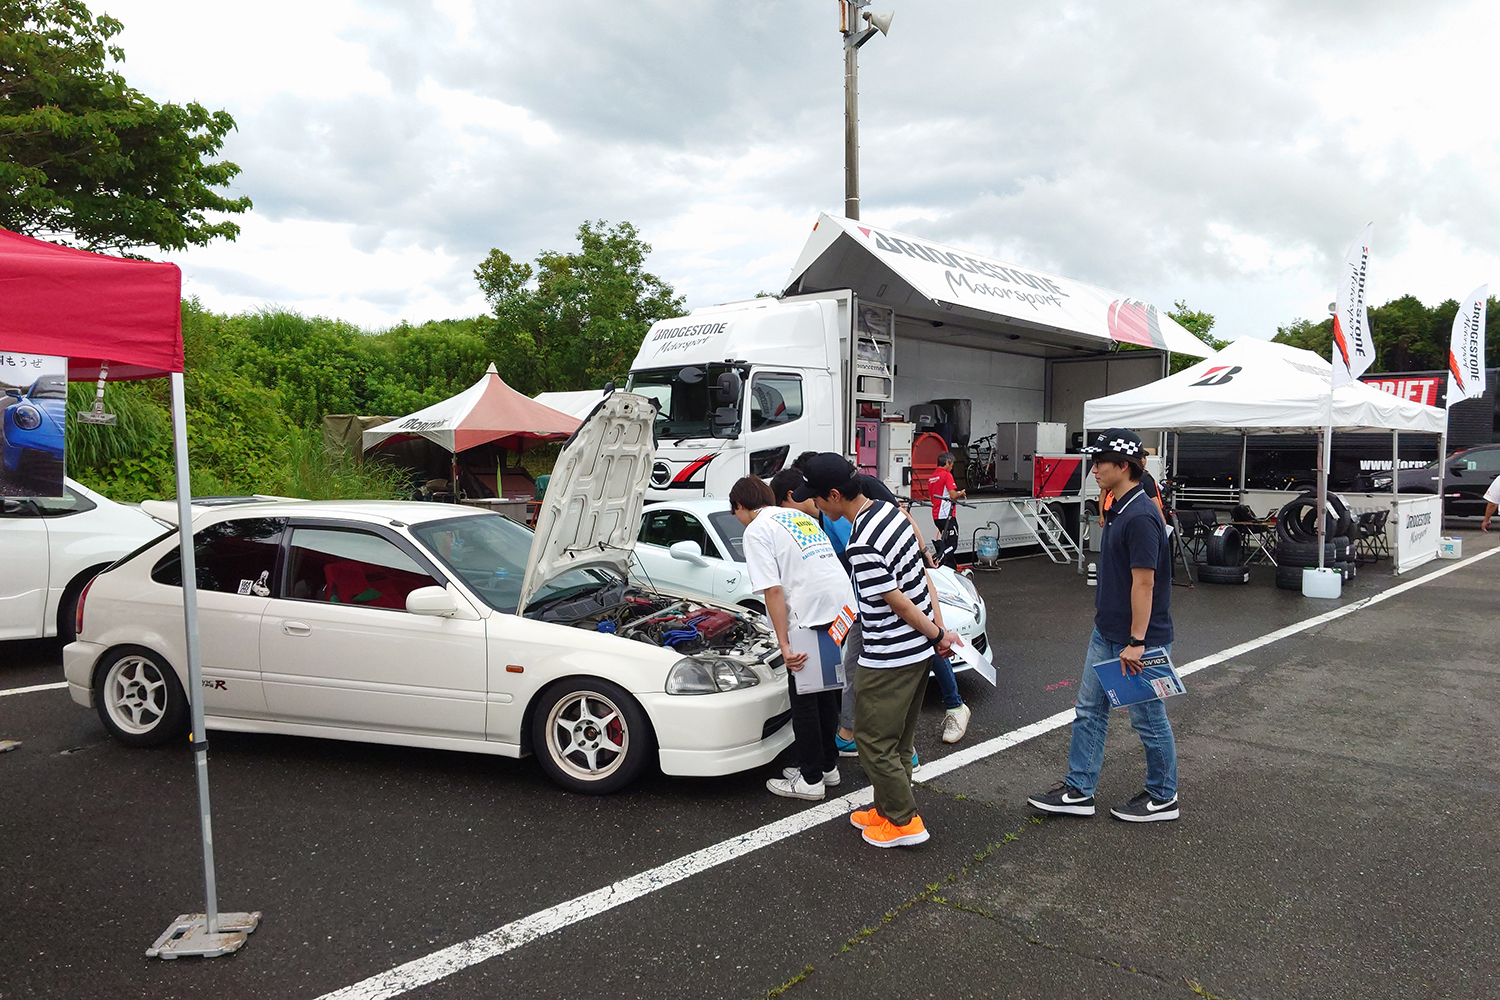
895,603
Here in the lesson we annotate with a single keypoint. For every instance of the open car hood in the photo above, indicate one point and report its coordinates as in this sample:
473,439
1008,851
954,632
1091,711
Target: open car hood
592,512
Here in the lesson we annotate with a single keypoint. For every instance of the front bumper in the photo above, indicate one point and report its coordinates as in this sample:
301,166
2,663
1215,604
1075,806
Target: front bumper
712,734
79,658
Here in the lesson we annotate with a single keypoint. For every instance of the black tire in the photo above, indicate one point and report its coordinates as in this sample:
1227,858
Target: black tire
1223,574
1289,578
139,697
1306,553
67,608
1346,570
1298,520
625,726
1225,547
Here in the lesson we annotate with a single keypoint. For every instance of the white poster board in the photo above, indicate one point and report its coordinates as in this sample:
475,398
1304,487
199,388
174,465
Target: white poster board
1415,524
33,408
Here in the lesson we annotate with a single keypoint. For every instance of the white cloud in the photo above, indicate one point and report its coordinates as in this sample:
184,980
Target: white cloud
1225,155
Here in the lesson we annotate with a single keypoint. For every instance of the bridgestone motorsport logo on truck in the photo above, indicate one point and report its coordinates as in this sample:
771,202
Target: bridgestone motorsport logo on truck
680,338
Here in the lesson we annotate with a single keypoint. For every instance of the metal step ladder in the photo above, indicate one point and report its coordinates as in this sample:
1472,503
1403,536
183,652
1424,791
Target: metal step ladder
1047,530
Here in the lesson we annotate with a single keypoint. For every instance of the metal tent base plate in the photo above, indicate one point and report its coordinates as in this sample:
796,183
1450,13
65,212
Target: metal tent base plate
189,936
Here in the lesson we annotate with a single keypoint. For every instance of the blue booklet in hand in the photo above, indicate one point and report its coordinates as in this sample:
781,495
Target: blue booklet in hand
1157,679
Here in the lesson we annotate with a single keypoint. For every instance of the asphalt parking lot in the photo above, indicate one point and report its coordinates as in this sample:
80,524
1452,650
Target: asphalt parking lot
1333,840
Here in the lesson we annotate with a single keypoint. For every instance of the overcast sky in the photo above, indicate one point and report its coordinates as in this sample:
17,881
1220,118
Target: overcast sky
1224,155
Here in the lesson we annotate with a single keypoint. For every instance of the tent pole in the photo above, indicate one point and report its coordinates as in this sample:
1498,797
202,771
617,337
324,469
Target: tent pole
1325,452
212,933
189,566
1396,462
1244,455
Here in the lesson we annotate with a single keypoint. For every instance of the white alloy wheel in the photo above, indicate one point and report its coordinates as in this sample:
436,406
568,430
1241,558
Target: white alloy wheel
587,736
136,695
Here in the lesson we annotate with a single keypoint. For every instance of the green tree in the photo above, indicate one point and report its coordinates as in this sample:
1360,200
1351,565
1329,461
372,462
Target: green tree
86,157
1310,336
577,319
1198,324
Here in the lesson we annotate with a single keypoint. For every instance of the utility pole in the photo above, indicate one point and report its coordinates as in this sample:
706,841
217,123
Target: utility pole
851,12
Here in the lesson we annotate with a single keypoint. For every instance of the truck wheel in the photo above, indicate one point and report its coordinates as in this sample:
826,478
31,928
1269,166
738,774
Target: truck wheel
591,736
139,698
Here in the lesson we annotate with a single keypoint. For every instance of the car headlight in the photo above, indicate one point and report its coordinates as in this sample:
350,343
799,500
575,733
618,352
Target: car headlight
1381,482
27,418
968,586
709,675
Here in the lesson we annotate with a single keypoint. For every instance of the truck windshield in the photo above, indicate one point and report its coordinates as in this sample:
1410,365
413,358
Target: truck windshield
685,400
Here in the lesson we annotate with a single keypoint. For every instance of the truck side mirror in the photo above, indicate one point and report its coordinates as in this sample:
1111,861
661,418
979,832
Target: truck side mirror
728,417
728,388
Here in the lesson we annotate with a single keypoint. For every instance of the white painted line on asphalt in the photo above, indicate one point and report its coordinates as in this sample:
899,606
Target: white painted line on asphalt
35,687
455,958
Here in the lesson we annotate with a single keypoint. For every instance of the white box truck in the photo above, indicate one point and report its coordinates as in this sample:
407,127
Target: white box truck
870,323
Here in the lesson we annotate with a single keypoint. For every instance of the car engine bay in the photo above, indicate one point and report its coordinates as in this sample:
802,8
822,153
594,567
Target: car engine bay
683,625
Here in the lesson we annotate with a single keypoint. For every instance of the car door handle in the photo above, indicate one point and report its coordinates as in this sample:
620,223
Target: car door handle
296,628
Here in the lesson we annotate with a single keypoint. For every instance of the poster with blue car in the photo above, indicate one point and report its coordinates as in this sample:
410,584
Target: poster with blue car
34,398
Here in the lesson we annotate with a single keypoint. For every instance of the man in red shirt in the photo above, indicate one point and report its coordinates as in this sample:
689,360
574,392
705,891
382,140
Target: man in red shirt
944,491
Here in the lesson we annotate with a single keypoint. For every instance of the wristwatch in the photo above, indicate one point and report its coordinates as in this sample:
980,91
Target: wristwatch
1135,642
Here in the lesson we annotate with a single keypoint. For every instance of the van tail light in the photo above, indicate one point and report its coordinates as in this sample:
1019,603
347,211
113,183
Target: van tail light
78,616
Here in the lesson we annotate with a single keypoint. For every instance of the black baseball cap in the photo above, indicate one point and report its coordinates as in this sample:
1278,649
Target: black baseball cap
825,472
1116,441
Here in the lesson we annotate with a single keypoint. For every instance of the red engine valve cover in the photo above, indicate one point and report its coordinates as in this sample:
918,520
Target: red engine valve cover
711,623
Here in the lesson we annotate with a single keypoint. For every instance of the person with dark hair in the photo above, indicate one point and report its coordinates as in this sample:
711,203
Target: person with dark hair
1132,610
897,608
806,591
943,492
956,717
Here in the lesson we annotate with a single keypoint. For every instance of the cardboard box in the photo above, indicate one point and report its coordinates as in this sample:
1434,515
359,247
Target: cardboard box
1450,548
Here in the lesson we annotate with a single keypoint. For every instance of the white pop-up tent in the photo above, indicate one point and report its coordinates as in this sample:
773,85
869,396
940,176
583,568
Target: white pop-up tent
1254,386
577,404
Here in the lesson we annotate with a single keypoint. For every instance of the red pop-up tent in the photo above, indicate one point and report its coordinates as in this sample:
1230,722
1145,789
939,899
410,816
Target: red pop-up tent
123,319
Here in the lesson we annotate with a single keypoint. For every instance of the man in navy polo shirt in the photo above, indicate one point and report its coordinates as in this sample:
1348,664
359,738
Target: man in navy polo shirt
1131,612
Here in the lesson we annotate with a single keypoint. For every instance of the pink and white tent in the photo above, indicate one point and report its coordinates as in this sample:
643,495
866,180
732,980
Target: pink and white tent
488,411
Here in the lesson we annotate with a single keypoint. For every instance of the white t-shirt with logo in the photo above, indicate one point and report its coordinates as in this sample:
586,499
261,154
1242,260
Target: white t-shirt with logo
1492,495
785,548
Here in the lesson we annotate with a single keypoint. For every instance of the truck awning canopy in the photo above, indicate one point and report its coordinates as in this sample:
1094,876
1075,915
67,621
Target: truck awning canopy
1255,386
977,301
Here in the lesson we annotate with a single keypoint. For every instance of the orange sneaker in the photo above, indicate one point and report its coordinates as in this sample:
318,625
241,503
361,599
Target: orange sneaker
888,834
866,818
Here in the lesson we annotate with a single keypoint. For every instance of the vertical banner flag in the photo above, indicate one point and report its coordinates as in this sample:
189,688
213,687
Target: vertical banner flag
1466,350
1353,349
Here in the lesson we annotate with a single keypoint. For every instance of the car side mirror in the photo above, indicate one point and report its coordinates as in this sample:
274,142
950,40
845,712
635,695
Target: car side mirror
688,552
1457,470
433,601
13,393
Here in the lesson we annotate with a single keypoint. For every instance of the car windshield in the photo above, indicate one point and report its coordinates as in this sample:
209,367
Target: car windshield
489,552
684,406
49,387
732,531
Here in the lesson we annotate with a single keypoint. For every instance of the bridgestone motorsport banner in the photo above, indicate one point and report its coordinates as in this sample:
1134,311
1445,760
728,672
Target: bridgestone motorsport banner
1466,350
1353,349
34,397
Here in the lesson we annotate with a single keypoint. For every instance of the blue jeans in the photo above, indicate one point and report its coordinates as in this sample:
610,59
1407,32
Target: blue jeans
942,669
1091,724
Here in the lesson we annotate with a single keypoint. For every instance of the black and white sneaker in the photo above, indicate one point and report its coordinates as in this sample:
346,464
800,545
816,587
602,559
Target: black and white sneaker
1145,809
1064,799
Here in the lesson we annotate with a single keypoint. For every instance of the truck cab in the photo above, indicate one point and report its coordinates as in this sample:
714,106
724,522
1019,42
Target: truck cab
740,389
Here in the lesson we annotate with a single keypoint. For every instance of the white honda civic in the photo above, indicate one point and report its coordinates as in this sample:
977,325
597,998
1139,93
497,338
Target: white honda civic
430,625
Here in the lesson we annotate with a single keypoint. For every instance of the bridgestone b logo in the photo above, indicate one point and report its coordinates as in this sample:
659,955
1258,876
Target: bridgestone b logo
1219,375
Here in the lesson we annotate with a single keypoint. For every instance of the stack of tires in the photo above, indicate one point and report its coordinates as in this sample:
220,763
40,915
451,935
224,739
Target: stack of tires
1297,539
1224,557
